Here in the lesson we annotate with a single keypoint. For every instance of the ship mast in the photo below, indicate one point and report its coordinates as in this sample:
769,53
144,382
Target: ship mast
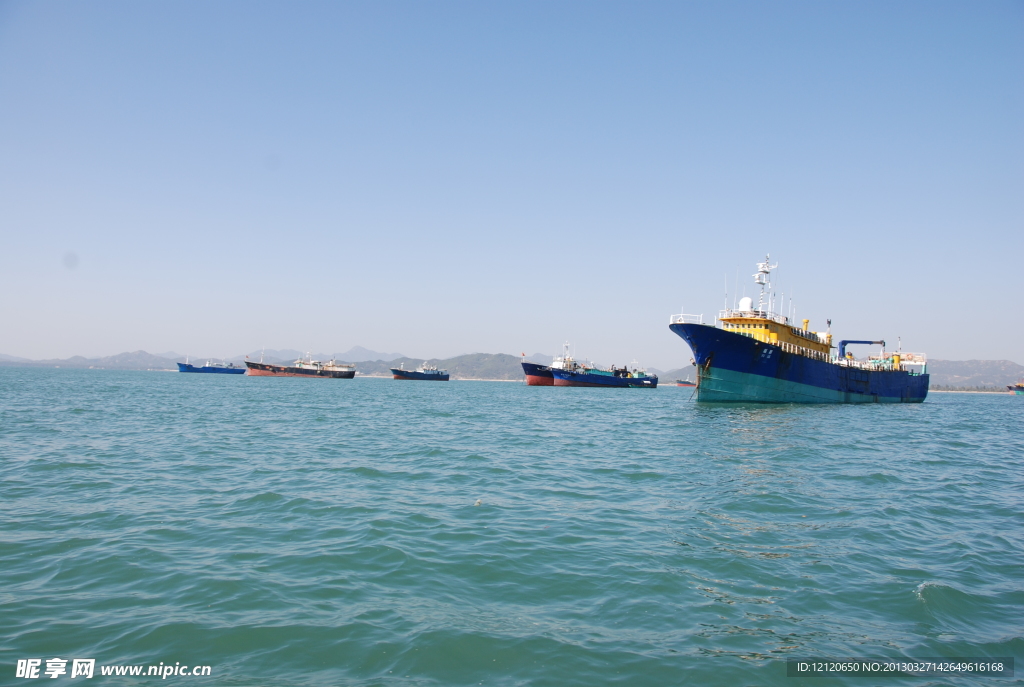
764,279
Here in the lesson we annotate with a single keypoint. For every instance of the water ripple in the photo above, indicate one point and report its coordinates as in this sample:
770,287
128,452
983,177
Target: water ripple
308,532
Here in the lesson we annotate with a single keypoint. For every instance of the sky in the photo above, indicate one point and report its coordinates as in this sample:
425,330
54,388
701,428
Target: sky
455,177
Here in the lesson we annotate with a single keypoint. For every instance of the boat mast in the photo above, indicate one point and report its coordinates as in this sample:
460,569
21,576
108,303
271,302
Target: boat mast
764,279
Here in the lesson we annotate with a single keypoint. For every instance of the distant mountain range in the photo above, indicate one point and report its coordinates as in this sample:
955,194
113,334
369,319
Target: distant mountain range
138,360
970,374
688,372
473,366
960,374
356,354
141,360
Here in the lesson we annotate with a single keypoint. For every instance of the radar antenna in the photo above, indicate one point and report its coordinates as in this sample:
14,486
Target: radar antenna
764,279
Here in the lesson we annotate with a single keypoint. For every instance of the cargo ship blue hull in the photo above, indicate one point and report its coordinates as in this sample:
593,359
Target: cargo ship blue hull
569,378
186,367
421,376
733,368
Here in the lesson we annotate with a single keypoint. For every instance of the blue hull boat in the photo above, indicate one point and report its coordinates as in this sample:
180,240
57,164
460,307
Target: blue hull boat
538,375
583,377
214,368
759,356
735,368
424,374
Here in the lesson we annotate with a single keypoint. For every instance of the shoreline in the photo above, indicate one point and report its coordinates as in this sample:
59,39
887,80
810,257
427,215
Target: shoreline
950,391
453,379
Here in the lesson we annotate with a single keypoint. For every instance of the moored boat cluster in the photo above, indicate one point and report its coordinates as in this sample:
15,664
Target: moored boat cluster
567,371
756,355
331,369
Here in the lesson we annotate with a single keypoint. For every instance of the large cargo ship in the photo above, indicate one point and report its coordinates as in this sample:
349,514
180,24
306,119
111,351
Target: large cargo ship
211,367
427,373
303,368
758,356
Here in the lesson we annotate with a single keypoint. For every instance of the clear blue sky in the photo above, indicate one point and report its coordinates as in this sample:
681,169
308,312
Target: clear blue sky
442,178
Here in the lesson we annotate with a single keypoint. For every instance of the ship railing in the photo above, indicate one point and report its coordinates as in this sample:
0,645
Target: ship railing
758,314
871,364
686,319
858,364
874,363
801,350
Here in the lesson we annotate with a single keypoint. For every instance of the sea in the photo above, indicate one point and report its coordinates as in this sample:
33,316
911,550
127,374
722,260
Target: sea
277,531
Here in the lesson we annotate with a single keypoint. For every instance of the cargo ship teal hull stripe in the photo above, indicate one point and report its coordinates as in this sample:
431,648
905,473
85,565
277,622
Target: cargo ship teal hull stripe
736,368
726,386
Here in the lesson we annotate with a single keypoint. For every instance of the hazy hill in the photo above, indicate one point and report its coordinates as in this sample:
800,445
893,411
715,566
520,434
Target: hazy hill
138,360
272,355
484,366
356,354
688,372
974,373
472,366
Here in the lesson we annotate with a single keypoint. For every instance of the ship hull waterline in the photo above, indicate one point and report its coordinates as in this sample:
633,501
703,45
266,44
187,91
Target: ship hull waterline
732,368
567,378
418,376
185,367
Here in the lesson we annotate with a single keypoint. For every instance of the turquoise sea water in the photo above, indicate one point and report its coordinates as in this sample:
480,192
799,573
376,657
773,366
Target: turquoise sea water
325,532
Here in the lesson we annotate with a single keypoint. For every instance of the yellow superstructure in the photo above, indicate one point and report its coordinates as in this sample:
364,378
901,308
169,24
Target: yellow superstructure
760,321
770,330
